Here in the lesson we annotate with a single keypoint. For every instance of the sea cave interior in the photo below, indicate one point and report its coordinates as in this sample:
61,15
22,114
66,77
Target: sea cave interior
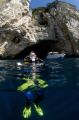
41,49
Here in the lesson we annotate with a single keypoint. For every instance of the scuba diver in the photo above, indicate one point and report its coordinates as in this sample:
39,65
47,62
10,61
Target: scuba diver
32,89
33,97
32,85
32,58
32,63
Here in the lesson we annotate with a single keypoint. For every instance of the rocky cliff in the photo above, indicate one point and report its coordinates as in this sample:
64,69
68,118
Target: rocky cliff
55,27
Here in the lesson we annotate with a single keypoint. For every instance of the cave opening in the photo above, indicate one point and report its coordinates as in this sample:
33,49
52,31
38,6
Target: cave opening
41,49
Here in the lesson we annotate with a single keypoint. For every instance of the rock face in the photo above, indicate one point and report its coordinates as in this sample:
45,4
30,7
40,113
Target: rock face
58,24
15,28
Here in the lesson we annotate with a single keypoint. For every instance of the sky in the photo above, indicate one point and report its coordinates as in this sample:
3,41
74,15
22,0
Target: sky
42,3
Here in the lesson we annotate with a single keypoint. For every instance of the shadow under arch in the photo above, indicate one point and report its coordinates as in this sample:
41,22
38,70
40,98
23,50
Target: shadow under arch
41,49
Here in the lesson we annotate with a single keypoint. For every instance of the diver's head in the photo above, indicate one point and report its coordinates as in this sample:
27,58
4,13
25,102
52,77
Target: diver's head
32,56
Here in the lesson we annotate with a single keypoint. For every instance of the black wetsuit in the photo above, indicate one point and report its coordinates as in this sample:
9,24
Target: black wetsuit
28,59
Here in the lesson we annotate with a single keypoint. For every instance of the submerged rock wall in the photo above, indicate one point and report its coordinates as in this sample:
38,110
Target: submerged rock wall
20,28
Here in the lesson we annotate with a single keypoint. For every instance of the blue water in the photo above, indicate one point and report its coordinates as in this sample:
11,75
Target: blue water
60,83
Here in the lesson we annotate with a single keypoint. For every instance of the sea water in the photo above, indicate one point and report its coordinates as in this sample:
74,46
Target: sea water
58,78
